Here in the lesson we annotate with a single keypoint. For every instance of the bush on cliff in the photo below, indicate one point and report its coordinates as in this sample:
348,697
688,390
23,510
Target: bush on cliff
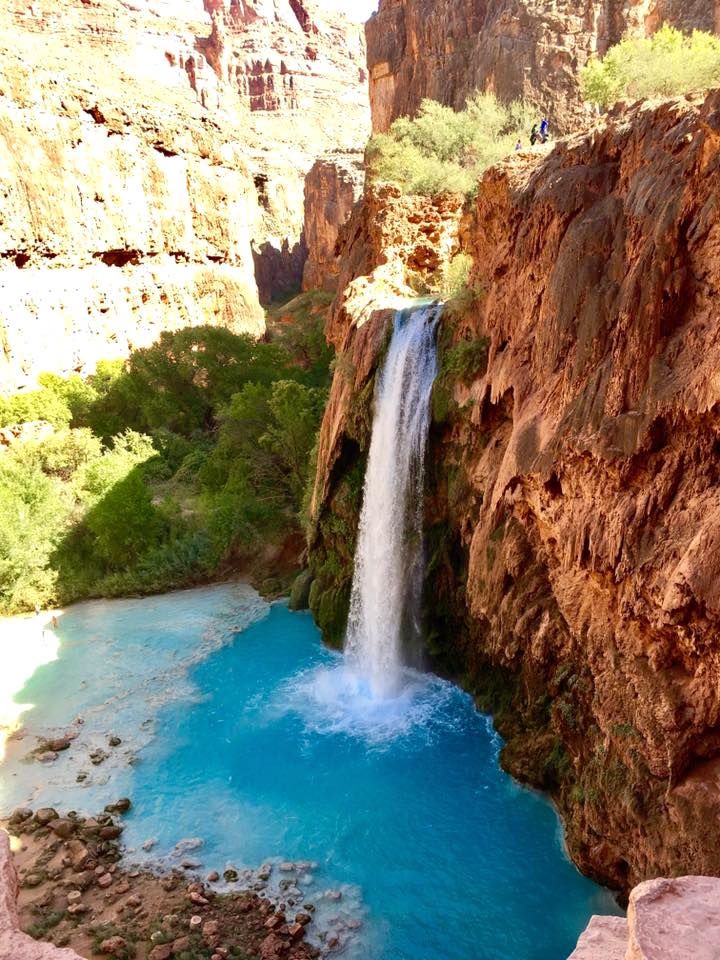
195,449
668,64
443,150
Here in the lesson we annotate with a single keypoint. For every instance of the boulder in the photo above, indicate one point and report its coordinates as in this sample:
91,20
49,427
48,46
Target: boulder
114,946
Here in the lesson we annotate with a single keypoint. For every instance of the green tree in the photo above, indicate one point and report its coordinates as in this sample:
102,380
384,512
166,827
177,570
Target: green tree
668,64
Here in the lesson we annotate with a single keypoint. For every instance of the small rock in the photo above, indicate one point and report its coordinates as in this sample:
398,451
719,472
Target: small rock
57,746
77,908
213,876
81,777
333,942
181,945
198,899
98,756
277,920
84,879
191,864
134,901
310,907
354,924
264,872
297,931
74,896
287,867
163,951
114,741
230,875
47,756
123,887
105,881
33,880
111,832
114,946
45,815
333,895
20,815
120,806
62,827
195,923
149,844
303,918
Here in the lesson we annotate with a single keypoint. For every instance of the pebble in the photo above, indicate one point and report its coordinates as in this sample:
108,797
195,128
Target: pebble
162,951
149,844
47,756
213,876
230,875
105,881
57,746
198,899
114,741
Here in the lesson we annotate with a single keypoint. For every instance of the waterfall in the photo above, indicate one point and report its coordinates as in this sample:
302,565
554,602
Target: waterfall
385,599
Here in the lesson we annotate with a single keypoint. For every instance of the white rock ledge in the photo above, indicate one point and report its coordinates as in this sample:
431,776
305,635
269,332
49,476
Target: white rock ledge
15,945
667,920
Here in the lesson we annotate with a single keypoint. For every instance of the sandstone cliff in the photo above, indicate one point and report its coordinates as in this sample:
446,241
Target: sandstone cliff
516,48
332,188
573,510
143,188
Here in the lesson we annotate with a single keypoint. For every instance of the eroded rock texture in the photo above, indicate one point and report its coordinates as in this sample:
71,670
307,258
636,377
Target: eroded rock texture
14,944
573,510
332,188
675,919
142,188
516,48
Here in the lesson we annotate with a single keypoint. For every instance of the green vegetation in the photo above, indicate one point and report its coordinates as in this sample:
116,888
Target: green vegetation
668,64
164,470
443,150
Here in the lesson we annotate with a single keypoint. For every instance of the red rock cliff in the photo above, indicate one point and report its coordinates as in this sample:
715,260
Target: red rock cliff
573,512
445,49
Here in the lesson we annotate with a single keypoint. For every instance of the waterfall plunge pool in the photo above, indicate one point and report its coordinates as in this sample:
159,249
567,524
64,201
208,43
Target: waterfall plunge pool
239,728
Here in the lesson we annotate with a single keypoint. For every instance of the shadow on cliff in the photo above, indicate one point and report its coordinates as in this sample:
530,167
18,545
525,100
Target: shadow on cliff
279,270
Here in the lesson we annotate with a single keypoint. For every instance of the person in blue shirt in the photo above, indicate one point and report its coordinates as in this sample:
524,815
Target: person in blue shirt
544,128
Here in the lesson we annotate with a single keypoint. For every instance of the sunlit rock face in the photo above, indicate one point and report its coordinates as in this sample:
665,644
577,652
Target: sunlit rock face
332,187
573,502
142,189
528,49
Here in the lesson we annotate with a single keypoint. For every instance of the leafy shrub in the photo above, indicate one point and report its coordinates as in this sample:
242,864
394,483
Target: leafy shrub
443,150
668,64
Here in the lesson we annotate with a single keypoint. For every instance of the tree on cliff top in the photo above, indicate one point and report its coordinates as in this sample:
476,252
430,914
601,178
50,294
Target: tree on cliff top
443,150
668,64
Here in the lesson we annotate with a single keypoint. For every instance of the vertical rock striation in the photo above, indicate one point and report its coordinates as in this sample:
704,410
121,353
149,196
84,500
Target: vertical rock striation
332,188
574,489
516,48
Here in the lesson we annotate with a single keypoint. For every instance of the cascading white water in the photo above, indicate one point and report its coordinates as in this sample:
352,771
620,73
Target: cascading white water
388,561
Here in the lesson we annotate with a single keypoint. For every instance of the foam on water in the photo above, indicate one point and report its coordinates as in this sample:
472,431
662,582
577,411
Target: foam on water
342,700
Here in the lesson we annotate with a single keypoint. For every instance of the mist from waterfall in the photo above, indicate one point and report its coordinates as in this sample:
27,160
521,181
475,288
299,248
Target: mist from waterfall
387,583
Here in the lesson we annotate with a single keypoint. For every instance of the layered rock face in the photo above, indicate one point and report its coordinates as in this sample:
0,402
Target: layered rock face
573,511
142,190
667,920
515,48
332,188
119,218
297,74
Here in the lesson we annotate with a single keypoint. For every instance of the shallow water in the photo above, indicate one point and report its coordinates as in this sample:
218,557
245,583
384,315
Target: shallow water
269,749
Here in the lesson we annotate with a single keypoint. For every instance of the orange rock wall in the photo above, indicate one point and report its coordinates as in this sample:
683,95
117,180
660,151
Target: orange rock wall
528,49
573,509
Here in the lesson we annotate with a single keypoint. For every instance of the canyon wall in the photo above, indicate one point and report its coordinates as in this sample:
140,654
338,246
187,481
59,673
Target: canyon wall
515,48
332,188
573,508
145,186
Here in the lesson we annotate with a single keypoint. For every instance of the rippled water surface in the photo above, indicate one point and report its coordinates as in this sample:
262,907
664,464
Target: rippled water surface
241,730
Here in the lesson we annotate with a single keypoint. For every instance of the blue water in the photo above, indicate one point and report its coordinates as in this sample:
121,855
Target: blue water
269,750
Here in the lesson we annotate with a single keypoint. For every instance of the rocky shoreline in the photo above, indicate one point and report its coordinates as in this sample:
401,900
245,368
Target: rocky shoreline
76,891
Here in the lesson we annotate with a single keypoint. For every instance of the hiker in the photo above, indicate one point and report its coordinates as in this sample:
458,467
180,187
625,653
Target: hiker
55,623
544,128
534,135
518,146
